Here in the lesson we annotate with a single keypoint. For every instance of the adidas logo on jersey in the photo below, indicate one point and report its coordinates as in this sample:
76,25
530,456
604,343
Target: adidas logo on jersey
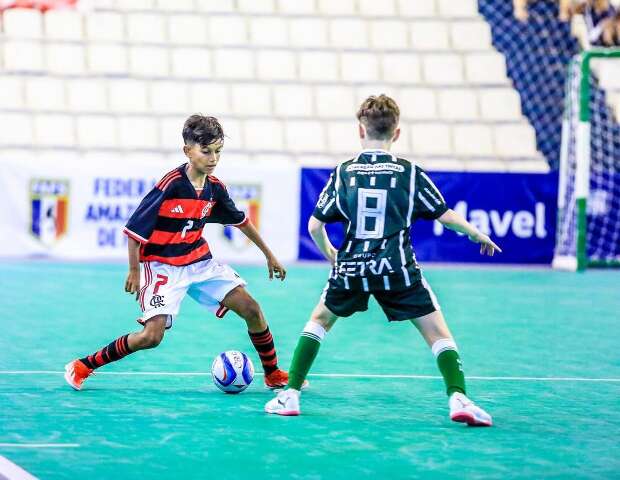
177,209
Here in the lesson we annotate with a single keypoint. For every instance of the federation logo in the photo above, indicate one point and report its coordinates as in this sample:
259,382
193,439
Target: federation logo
49,205
247,197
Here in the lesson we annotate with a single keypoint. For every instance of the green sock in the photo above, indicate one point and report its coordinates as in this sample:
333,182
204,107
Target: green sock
305,353
450,367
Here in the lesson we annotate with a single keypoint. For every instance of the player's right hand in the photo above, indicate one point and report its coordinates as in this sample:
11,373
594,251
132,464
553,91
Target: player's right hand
487,246
132,284
275,269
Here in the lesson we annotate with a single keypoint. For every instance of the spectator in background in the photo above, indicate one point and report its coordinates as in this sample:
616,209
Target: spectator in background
601,18
602,22
521,12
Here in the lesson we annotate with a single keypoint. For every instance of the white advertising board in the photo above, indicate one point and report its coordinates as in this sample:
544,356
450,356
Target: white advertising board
76,210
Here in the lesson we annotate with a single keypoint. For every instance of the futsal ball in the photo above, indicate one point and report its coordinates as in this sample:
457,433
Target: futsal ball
232,371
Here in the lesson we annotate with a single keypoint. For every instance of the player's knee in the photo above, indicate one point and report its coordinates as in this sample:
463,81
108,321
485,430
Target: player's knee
157,338
317,318
151,338
323,319
251,311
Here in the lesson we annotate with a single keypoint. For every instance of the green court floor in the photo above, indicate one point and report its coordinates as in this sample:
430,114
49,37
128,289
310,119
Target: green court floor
540,349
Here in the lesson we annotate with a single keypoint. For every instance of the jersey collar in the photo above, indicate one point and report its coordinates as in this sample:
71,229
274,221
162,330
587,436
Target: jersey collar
374,152
205,187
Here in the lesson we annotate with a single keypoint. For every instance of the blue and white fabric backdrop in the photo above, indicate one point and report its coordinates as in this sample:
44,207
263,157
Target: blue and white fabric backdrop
518,210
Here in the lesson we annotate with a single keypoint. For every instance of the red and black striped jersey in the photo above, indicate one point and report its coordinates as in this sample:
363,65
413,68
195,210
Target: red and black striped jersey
170,218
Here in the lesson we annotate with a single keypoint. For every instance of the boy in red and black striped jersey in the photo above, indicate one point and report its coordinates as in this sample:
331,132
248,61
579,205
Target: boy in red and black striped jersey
165,236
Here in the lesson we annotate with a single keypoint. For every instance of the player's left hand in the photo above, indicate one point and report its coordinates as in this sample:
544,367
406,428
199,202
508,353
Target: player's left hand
275,269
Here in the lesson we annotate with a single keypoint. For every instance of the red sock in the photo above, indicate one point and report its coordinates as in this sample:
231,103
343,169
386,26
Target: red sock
263,343
116,350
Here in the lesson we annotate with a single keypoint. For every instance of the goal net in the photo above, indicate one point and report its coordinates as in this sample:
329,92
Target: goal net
588,229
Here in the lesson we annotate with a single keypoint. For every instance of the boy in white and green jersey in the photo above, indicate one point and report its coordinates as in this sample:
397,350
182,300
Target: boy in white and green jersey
379,196
376,257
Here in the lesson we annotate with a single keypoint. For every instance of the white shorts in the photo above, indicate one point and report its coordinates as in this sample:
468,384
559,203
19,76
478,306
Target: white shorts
163,287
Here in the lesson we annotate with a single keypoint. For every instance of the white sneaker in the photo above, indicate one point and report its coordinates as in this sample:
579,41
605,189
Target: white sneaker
286,403
463,410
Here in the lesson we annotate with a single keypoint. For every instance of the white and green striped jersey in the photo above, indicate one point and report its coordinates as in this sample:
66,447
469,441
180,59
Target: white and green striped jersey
378,196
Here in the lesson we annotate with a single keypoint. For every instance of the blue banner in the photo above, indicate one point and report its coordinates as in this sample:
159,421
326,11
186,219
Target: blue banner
518,211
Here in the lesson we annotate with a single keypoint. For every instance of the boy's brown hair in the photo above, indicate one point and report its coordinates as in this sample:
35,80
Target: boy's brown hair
202,130
380,116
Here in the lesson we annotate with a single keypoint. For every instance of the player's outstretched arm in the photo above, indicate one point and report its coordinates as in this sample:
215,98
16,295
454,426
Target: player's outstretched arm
317,231
456,222
273,265
132,284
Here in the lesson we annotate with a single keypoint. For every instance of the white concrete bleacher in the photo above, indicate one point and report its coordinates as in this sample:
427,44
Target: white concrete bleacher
285,77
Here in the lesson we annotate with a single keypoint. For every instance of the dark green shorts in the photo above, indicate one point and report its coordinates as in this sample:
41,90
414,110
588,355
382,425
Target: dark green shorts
413,302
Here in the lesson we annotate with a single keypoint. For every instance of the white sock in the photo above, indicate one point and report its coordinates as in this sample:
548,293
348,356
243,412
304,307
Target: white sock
442,345
314,330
